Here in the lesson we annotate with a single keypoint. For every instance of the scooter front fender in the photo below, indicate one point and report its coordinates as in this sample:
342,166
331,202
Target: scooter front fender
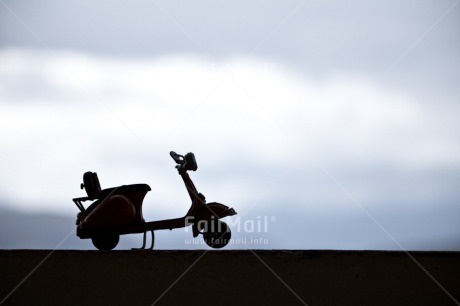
211,211
216,210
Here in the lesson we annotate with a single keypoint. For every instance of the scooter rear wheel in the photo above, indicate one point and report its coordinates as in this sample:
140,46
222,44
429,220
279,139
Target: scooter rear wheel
105,242
217,234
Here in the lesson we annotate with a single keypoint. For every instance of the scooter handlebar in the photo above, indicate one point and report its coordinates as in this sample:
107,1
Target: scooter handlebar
184,163
179,159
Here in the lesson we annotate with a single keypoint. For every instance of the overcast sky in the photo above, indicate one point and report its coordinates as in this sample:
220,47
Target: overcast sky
338,121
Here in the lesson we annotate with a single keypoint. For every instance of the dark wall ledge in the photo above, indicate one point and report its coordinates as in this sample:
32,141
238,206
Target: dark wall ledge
278,277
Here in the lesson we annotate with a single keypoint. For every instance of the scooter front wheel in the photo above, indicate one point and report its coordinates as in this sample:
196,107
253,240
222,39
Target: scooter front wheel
217,234
105,242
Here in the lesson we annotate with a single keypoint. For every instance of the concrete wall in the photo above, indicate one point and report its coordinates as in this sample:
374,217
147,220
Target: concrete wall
228,278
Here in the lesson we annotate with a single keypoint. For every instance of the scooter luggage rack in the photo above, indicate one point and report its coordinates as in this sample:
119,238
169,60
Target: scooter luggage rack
118,211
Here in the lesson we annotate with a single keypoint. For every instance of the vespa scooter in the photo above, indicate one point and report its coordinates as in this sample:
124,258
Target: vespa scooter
118,211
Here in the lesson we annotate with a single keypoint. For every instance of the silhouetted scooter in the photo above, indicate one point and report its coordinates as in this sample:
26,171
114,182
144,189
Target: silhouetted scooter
118,211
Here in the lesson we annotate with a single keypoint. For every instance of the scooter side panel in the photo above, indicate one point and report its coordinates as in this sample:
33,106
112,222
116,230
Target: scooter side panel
115,211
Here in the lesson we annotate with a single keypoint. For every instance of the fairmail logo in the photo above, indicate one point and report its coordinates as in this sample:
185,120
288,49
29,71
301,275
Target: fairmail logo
261,224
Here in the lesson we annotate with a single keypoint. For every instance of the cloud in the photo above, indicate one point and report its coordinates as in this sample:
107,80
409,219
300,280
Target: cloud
267,140
281,128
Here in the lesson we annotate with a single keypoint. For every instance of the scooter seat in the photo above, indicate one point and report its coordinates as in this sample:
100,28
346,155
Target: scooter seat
92,185
125,190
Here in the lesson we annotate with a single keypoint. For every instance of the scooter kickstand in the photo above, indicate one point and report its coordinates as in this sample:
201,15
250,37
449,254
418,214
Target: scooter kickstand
144,239
153,240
